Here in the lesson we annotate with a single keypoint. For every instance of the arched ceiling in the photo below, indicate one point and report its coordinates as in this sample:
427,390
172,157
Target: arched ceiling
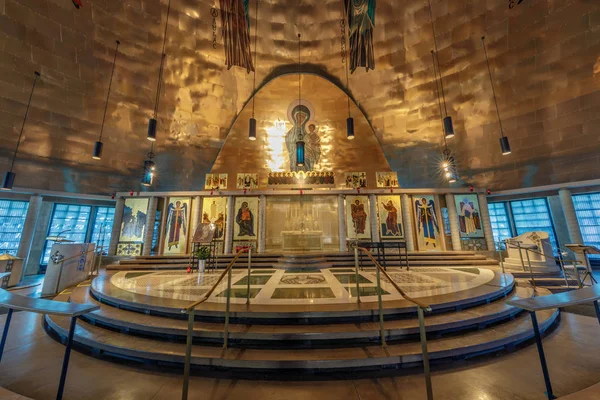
545,56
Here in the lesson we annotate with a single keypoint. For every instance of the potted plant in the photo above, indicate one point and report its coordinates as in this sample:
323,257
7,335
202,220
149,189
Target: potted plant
203,254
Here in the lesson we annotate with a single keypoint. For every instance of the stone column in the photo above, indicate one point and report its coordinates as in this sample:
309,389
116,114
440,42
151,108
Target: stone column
149,234
408,225
262,227
33,212
229,226
195,219
342,222
566,202
453,217
374,224
116,229
485,220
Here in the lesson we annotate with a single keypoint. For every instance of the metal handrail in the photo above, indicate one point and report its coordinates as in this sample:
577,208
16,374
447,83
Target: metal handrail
424,306
421,308
190,311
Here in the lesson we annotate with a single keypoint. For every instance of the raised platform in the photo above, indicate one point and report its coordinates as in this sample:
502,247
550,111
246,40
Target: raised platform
140,319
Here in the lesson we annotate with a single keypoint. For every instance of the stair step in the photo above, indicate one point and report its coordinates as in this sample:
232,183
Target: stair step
149,324
348,358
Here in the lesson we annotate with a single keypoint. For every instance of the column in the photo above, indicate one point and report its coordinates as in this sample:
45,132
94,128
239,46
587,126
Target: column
262,227
195,218
485,220
453,217
33,212
374,223
566,202
149,234
342,222
229,226
116,229
408,225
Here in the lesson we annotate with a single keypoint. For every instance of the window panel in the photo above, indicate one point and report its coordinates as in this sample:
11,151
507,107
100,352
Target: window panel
69,221
12,220
500,222
102,229
533,215
587,210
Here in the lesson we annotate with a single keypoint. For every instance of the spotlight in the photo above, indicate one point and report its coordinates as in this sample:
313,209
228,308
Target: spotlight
151,130
8,181
350,128
252,130
505,145
448,127
98,151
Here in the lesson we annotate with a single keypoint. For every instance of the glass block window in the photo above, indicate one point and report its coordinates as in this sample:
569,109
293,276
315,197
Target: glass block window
446,219
500,223
533,215
102,228
587,210
12,219
69,221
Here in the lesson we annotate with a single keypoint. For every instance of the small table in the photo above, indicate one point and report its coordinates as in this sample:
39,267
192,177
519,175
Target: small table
302,240
585,250
381,246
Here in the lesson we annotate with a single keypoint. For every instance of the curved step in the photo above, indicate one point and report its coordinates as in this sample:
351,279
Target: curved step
107,293
148,325
351,358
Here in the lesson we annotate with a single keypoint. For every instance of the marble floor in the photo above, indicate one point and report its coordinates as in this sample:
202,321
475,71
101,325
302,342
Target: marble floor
31,367
324,286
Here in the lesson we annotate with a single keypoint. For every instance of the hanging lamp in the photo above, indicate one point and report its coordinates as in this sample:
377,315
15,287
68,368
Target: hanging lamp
252,125
152,122
149,169
504,144
300,135
447,119
97,155
448,162
9,176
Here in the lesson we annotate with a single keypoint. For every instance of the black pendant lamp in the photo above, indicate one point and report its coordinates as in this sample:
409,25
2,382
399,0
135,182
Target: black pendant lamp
149,168
97,155
504,144
252,125
300,135
152,122
9,176
447,119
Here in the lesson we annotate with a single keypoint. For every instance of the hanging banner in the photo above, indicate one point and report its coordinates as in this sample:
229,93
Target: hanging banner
176,228
357,217
469,217
389,211
214,211
133,226
246,218
427,223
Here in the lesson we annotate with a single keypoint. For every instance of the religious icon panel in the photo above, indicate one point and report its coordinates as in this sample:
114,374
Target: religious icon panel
357,217
390,220
469,217
216,181
246,218
134,220
247,181
214,211
427,223
176,229
356,180
387,179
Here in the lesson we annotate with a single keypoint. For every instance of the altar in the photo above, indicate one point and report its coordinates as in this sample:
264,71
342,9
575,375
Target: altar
302,241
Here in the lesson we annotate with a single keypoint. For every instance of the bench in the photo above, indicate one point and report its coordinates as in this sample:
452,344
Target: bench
589,294
41,306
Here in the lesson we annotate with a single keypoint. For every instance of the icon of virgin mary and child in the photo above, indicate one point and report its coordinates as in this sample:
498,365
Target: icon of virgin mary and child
299,133
245,220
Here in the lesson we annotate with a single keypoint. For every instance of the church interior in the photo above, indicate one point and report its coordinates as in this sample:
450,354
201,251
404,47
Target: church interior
294,199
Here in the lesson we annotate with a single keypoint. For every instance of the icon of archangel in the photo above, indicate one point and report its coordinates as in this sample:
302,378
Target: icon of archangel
361,21
235,20
303,130
176,224
427,225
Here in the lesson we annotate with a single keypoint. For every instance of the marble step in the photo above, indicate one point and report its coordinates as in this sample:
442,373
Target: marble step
320,254
103,290
114,344
137,323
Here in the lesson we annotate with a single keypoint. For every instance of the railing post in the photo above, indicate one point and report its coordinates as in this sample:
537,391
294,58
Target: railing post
423,334
248,279
538,340
530,269
188,355
65,366
500,255
5,333
380,302
562,267
597,308
227,305
521,256
356,272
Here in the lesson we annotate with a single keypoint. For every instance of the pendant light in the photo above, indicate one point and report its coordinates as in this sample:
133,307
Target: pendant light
447,119
252,125
152,122
504,144
349,120
9,176
300,135
97,155
149,167
448,163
